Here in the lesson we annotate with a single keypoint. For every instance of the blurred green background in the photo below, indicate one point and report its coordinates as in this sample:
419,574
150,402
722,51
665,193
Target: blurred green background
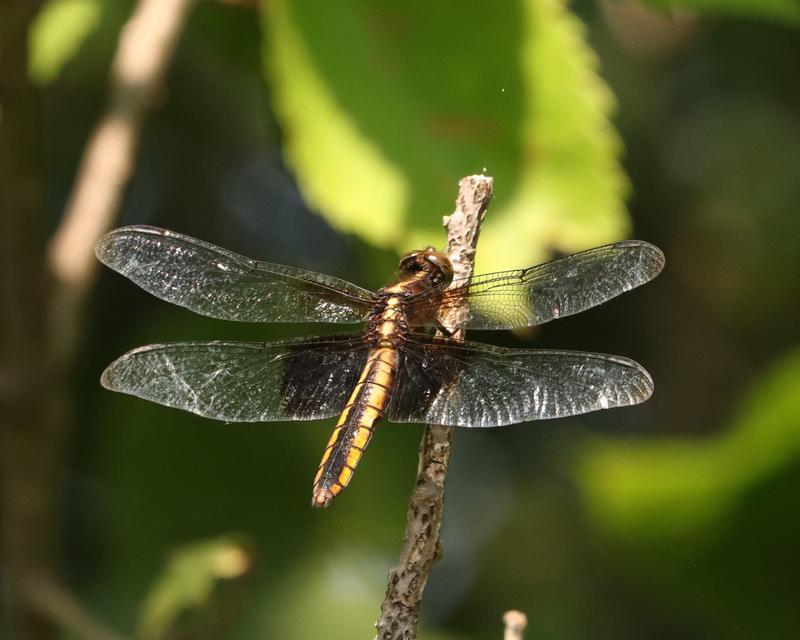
332,136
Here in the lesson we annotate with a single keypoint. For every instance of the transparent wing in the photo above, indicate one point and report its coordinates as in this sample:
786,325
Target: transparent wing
477,385
536,295
302,379
221,284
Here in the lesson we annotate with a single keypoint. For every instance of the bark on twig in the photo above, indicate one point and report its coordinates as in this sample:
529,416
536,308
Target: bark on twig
421,544
41,307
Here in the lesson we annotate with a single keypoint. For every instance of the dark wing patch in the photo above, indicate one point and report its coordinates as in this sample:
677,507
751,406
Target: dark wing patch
527,297
218,283
477,385
302,379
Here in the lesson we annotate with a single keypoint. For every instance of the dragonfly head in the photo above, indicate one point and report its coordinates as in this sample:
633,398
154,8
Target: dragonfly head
435,264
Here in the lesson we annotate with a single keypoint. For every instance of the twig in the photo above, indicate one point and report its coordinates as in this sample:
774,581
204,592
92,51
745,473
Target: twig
421,544
515,623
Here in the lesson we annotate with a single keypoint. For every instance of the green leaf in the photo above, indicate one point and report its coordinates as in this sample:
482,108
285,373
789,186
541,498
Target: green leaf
189,580
571,190
56,36
787,11
671,490
380,131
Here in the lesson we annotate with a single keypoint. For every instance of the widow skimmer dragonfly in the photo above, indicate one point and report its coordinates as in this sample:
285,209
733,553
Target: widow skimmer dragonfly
392,367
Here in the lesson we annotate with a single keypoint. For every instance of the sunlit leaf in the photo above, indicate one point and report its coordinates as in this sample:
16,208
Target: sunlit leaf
343,173
682,489
58,32
189,580
784,10
380,131
571,189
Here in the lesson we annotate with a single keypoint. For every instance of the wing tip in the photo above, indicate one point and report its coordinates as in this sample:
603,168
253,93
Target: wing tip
108,379
101,247
105,379
104,248
642,382
651,257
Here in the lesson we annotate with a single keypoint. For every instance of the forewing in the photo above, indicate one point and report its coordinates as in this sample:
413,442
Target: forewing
536,295
221,284
302,379
477,385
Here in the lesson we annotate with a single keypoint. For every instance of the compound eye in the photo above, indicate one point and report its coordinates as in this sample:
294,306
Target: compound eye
440,261
409,262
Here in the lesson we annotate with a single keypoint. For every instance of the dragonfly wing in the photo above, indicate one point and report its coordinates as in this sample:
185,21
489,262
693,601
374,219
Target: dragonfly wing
221,284
476,385
563,287
301,379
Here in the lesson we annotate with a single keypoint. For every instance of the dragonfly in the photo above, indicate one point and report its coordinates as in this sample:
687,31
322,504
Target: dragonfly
397,366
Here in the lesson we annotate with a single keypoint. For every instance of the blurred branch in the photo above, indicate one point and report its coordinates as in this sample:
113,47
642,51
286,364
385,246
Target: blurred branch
145,49
41,310
56,603
515,623
421,543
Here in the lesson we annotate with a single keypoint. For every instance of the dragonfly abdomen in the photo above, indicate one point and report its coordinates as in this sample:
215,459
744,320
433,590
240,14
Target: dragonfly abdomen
355,427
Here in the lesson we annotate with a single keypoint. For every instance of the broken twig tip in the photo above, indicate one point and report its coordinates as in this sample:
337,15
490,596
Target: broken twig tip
515,623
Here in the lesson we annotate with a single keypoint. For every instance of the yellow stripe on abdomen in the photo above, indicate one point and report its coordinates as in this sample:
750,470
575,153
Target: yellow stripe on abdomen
354,430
